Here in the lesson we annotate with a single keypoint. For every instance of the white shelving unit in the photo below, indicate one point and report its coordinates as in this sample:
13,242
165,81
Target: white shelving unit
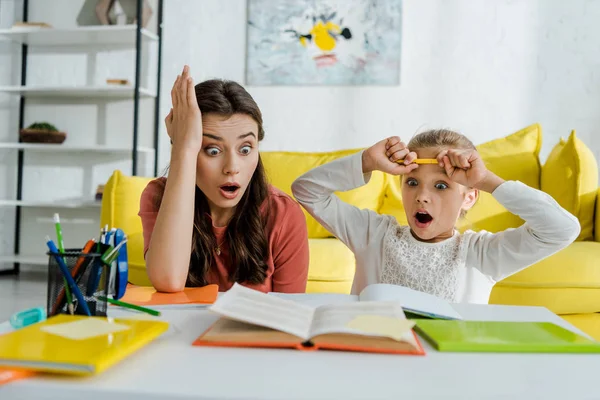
80,203
85,39
101,35
110,92
56,148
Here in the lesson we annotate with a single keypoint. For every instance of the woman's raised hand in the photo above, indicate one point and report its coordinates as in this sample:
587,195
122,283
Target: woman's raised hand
184,121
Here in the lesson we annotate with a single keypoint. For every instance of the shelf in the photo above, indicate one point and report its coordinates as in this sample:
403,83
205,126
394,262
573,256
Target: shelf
40,147
123,35
24,259
51,204
116,92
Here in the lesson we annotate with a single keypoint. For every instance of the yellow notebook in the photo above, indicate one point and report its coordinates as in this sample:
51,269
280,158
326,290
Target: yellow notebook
77,344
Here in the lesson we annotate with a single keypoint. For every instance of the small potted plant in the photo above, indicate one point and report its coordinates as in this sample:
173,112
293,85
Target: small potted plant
42,132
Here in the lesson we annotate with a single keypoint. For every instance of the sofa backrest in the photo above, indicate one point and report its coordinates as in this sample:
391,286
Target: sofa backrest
284,167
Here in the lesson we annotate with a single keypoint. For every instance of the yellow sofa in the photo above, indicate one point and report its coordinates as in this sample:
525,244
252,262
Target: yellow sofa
568,283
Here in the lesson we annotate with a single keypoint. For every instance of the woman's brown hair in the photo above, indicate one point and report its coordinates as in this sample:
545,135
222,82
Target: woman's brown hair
246,233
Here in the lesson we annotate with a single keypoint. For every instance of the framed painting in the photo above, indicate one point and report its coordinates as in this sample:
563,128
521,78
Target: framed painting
323,42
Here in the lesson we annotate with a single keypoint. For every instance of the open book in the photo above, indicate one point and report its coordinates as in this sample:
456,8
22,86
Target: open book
250,318
412,301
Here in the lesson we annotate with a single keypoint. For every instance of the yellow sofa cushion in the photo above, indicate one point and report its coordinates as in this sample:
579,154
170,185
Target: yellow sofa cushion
331,268
120,207
597,219
514,157
570,175
567,282
284,167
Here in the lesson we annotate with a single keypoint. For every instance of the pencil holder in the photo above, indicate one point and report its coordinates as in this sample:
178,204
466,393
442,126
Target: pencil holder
90,276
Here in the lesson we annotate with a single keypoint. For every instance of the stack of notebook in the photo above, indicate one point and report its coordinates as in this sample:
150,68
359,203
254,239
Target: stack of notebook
76,344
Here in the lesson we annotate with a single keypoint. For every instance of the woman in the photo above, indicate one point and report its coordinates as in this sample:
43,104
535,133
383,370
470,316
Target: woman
215,219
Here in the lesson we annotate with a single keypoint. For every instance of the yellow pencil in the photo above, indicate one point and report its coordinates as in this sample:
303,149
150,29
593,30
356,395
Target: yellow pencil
421,161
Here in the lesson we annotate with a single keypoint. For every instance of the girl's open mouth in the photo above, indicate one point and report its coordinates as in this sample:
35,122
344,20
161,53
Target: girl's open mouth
423,219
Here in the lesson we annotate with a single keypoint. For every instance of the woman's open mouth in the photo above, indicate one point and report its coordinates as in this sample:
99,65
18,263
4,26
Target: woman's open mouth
230,190
423,219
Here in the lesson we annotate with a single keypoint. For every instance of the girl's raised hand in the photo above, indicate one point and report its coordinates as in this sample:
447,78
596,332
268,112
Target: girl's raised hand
463,166
383,156
184,121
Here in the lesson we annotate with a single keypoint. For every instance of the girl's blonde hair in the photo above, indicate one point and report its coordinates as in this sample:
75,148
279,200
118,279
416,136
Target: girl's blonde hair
441,139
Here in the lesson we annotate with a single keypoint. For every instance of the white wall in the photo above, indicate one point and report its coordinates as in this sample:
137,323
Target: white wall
486,68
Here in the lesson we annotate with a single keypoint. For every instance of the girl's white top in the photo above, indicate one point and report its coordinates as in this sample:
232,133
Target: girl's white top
463,268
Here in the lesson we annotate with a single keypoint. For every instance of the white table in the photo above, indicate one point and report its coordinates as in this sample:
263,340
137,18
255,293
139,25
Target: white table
170,368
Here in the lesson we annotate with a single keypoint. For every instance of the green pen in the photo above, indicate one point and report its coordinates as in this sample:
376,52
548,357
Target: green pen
130,306
61,248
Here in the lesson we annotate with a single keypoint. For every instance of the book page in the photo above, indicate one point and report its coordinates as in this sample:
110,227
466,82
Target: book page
317,299
342,318
411,300
247,305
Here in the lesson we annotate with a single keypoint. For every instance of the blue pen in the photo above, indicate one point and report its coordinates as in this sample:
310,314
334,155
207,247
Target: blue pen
65,271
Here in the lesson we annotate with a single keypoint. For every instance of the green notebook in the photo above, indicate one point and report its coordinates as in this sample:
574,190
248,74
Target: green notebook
502,337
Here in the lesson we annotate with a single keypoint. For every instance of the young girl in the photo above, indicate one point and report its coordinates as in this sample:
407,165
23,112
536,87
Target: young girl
215,219
429,254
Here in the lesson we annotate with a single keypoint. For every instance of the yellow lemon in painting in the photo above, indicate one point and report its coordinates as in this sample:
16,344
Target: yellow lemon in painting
323,39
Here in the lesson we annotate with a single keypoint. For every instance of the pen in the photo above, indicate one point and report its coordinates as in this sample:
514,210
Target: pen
65,271
61,248
422,161
86,249
130,306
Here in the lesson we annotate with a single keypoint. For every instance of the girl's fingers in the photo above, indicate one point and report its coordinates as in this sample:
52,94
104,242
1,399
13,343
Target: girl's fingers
464,161
398,155
454,159
397,146
441,156
410,157
405,169
391,141
448,166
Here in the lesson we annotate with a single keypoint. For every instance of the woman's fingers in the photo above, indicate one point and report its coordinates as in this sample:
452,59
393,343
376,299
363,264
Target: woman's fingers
183,86
174,91
169,121
191,94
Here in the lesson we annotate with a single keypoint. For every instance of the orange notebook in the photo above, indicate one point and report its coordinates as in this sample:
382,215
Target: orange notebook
148,296
9,375
250,318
